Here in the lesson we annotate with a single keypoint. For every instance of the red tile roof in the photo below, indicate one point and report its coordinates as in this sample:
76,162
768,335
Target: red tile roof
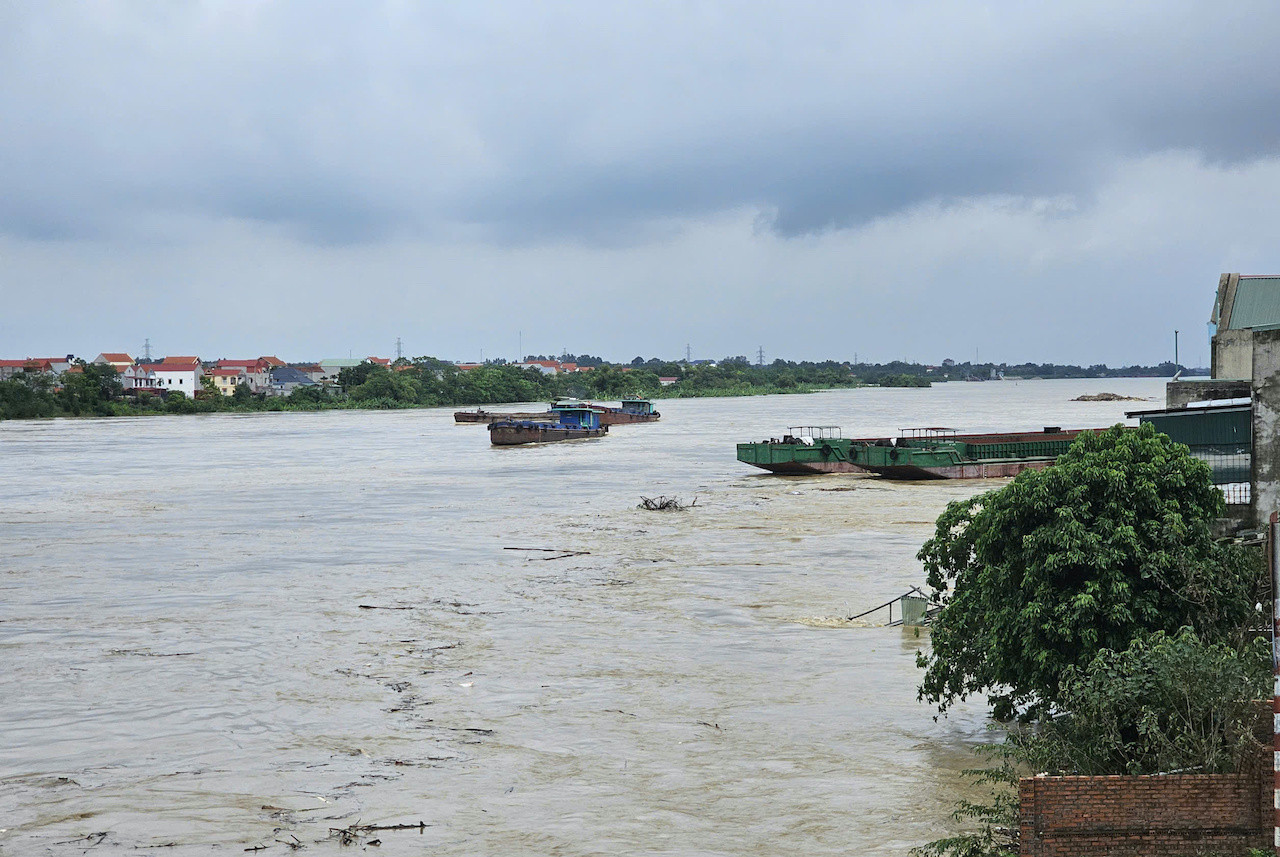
116,358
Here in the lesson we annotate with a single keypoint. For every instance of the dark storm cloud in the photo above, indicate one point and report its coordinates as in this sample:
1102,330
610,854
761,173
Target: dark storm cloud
343,123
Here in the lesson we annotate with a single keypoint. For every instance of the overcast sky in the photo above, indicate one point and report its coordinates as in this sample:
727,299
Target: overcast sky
905,180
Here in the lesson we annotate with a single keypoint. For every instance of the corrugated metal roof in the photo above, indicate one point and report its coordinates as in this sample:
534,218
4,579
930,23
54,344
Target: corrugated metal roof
1257,303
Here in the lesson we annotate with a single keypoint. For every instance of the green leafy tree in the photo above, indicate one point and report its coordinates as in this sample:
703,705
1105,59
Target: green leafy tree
1166,703
91,389
1111,543
354,376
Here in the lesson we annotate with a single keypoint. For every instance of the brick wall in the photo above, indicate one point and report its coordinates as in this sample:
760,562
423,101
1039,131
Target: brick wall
1155,816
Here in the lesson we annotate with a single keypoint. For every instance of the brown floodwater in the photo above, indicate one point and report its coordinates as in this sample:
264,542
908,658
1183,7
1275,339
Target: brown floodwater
222,632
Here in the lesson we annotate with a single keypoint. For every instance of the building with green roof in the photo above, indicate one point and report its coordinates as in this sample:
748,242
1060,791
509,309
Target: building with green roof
1244,303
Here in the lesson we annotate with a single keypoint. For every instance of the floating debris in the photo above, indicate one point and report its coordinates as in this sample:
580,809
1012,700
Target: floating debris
665,504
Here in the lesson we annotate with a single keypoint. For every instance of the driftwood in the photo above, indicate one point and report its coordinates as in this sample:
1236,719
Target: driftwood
560,553
665,504
359,833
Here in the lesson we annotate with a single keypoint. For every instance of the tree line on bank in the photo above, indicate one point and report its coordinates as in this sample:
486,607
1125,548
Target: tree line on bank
429,382
1106,626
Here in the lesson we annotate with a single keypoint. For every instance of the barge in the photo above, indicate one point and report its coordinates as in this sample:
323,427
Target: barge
479,415
923,453
632,410
571,422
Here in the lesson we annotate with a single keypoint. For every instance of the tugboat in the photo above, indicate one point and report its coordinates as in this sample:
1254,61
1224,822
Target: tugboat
923,453
572,421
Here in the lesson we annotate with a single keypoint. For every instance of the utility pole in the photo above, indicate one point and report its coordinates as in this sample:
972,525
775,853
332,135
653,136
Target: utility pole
1175,350
760,356
399,350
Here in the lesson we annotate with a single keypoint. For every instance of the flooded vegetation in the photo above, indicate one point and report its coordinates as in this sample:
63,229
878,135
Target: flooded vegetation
320,630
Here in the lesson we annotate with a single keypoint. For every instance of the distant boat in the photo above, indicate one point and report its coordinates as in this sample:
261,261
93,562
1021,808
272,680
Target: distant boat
573,421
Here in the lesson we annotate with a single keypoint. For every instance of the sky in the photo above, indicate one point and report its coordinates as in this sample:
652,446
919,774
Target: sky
1001,182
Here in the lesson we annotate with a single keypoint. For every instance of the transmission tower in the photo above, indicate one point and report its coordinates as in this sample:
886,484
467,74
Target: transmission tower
760,356
146,350
688,353
399,349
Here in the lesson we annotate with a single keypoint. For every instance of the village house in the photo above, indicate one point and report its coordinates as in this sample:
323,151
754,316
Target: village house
29,366
182,374
117,361
256,373
285,379
140,378
312,370
56,365
333,365
226,380
552,367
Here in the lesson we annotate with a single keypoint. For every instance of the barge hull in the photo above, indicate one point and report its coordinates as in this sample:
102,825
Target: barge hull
613,418
493,416
975,470
808,468
515,435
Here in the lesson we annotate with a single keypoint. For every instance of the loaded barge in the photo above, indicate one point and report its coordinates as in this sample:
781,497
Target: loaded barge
571,422
922,453
633,410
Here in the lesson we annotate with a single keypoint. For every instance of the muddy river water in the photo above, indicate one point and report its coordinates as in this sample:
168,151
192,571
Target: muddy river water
223,632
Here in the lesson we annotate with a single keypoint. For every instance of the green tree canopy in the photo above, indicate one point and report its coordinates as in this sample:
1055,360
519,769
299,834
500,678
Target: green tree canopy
1167,703
1111,543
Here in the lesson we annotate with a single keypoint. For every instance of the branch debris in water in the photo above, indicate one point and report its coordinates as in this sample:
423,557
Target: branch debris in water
665,504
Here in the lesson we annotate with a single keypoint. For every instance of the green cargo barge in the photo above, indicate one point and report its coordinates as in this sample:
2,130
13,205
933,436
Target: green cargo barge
926,453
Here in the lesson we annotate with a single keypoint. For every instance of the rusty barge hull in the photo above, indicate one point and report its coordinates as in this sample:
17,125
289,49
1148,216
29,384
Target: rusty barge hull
517,434
613,417
486,417
976,470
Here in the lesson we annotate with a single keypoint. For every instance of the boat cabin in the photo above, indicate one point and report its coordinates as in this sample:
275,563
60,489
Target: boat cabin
576,415
637,406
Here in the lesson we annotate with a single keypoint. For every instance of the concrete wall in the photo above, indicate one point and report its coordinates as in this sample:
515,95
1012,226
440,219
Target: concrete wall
1179,394
1232,354
1266,424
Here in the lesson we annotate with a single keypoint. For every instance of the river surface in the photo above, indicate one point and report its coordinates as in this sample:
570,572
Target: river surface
224,632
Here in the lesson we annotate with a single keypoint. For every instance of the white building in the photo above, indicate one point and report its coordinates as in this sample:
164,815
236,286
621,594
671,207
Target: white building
178,373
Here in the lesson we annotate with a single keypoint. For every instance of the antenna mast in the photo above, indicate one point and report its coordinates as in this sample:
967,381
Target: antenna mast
399,350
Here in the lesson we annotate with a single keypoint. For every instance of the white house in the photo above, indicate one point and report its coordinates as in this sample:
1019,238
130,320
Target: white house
178,373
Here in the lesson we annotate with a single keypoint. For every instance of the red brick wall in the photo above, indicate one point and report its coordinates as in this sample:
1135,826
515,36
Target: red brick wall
1155,816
